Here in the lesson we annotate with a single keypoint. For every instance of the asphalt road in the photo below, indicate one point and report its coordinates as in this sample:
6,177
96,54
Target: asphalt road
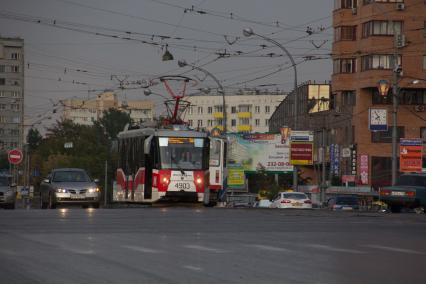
210,245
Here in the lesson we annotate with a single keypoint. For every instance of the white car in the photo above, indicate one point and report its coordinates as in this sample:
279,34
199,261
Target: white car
297,200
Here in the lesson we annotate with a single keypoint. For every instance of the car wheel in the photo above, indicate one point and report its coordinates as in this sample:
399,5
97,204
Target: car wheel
52,204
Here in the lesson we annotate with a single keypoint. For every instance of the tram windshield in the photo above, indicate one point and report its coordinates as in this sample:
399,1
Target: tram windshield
182,153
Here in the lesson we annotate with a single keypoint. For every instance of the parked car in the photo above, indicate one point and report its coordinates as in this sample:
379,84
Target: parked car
69,186
408,192
343,202
7,192
297,200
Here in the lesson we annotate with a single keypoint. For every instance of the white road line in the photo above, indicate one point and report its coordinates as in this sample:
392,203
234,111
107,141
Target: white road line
269,248
394,249
334,249
194,268
142,249
78,251
204,248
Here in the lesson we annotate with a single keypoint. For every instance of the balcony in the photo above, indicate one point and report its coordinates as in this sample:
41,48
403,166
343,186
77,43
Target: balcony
244,114
218,114
244,128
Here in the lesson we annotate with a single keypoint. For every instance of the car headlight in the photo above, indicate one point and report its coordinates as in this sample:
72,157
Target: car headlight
93,190
61,190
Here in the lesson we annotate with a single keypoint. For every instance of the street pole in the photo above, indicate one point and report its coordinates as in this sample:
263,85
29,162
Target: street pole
221,90
323,182
106,183
249,32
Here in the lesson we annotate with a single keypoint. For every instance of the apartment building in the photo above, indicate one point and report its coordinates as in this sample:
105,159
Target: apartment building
247,111
11,93
368,36
85,112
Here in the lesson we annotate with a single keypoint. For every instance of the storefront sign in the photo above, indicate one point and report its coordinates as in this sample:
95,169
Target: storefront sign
301,153
363,169
411,153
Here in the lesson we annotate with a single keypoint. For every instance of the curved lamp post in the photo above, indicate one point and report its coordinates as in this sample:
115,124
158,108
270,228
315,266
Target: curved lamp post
249,32
183,63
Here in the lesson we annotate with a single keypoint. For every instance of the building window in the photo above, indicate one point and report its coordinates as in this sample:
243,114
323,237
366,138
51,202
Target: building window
365,2
218,108
344,65
3,119
15,56
200,123
14,107
267,109
209,109
423,133
2,106
190,110
406,97
233,109
233,122
345,33
378,61
244,108
380,28
244,121
257,109
14,69
2,81
386,136
266,122
257,122
190,122
209,122
200,110
348,98
2,68
16,94
424,62
345,4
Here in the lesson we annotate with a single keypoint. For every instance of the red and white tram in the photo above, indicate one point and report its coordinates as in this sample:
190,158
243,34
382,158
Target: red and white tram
170,163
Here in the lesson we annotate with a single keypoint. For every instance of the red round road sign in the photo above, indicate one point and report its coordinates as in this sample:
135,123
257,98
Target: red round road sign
15,156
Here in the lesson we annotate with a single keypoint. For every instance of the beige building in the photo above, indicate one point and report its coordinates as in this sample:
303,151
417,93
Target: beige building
87,111
11,93
247,111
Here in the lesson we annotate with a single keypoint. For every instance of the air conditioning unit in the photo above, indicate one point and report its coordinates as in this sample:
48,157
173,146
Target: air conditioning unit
400,6
354,11
419,108
400,40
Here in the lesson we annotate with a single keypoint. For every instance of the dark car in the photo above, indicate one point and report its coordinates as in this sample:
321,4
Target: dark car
7,192
69,186
343,202
408,192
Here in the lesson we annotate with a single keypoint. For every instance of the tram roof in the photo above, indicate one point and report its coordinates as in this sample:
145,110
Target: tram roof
161,132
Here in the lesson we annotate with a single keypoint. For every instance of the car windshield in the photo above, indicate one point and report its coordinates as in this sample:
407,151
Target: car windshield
347,200
295,196
412,180
4,181
70,176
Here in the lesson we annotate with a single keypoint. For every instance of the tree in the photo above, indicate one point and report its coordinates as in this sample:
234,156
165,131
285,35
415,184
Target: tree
34,139
113,121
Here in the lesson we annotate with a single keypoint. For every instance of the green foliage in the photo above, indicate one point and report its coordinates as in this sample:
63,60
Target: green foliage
34,139
113,121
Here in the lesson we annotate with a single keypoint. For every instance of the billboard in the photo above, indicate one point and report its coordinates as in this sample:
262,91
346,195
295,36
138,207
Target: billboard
411,153
254,152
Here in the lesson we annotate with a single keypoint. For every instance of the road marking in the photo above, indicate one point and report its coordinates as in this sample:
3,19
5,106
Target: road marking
269,248
78,251
333,249
394,249
194,268
142,249
204,248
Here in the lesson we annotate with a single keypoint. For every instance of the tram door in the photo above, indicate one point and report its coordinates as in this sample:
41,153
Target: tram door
150,159
217,163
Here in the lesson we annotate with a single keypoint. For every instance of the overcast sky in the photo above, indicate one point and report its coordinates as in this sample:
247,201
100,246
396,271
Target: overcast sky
73,46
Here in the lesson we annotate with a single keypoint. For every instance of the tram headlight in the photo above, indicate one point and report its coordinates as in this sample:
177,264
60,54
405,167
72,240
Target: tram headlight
165,180
199,180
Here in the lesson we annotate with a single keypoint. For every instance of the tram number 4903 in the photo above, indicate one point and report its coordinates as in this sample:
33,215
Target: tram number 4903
182,185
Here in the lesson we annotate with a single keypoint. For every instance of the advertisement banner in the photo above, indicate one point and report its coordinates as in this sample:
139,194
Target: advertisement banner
301,153
269,152
236,178
411,153
363,168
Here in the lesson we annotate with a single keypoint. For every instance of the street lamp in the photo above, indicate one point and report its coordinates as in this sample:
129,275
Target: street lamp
183,63
249,32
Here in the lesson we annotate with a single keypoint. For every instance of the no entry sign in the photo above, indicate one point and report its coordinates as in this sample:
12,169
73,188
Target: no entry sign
15,156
